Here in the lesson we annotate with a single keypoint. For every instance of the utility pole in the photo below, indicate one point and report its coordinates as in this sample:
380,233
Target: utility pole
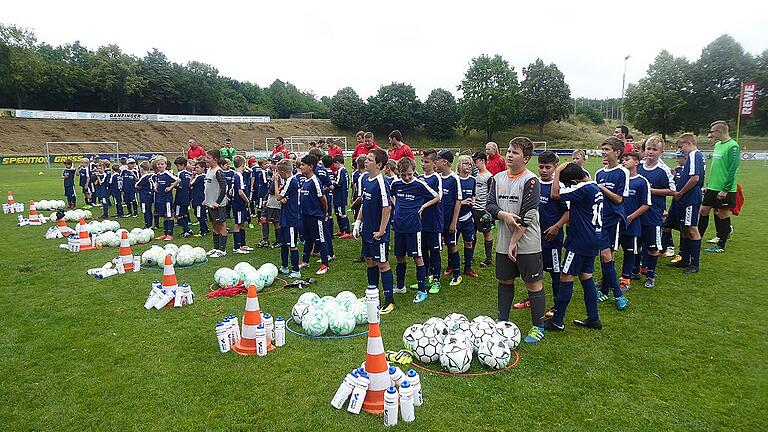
623,81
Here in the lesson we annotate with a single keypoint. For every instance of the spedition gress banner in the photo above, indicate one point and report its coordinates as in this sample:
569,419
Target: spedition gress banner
60,159
22,160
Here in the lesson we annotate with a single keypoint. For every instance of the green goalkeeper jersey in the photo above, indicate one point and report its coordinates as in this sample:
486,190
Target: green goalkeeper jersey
725,163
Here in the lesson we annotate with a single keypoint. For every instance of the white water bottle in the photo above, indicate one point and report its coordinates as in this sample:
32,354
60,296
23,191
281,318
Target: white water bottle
396,375
390,406
269,326
261,340
222,337
358,394
279,331
344,390
406,402
415,381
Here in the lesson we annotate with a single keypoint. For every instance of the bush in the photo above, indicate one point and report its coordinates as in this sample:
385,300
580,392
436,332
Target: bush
590,114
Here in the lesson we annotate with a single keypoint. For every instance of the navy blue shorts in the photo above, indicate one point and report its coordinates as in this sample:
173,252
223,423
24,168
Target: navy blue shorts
289,236
651,238
408,244
450,239
629,243
199,211
240,216
688,215
376,250
672,220
340,211
164,209
181,209
431,241
551,259
314,228
609,238
575,264
466,229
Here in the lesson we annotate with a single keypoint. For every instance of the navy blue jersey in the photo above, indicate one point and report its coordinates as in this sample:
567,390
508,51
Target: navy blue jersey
585,204
326,181
115,183
550,211
356,181
639,194
260,187
467,191
375,195
659,177
69,179
184,189
247,176
291,213
451,194
164,180
616,180
102,184
238,185
340,188
130,177
432,218
311,192
678,176
694,166
197,187
409,197
84,174
229,175
93,170
146,187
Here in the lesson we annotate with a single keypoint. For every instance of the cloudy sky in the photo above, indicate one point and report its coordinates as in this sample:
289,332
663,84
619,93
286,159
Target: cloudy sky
321,46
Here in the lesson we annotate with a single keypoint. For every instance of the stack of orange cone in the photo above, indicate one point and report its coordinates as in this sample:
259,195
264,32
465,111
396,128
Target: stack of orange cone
84,235
126,255
61,225
34,218
10,201
247,343
375,361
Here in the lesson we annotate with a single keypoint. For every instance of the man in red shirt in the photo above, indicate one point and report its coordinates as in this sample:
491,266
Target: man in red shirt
195,150
280,147
364,147
334,149
622,133
496,163
399,149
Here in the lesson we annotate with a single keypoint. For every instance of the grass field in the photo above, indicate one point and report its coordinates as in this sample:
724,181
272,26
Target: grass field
82,354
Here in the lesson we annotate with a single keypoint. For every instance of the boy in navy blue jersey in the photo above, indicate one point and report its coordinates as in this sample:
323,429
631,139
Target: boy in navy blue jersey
465,224
662,182
165,182
198,196
340,192
582,242
93,167
289,219
671,219
373,224
553,215
248,181
116,189
451,200
688,200
613,181
229,174
101,181
84,174
146,189
258,199
432,221
411,197
326,178
314,210
240,204
636,204
357,190
183,196
130,176
69,184
270,214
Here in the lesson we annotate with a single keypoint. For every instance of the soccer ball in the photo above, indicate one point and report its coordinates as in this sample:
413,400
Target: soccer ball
411,334
345,299
481,318
438,328
427,349
325,301
360,311
456,317
431,321
253,278
148,258
314,323
455,358
243,268
300,310
455,327
200,255
309,298
480,331
459,339
269,270
494,353
331,309
147,234
185,258
343,323
509,333
225,277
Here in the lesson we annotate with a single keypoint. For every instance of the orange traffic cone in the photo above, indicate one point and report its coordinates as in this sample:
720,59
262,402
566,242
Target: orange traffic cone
61,225
85,236
375,362
126,255
247,343
34,218
10,200
169,275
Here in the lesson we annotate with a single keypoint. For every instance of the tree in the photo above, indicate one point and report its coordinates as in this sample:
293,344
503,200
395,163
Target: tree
347,109
23,62
490,102
590,114
545,94
159,89
658,102
441,114
114,76
395,106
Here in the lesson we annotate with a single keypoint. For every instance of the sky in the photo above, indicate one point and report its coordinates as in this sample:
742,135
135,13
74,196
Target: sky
324,46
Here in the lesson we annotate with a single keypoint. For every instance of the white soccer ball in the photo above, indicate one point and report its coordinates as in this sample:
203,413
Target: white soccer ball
457,327
200,255
345,299
147,234
300,309
455,358
456,317
253,277
85,214
270,271
325,301
438,328
487,319
411,334
494,353
360,311
427,349
171,247
460,339
185,247
148,258
225,277
509,332
481,331
132,239
315,323
185,258
309,297
343,323
243,268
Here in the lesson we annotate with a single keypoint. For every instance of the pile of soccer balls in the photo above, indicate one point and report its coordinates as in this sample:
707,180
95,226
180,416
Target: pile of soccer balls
338,314
74,215
50,205
109,238
183,256
452,341
246,274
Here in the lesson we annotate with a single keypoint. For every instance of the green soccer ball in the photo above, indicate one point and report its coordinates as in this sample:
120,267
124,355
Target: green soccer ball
315,323
342,324
345,299
359,310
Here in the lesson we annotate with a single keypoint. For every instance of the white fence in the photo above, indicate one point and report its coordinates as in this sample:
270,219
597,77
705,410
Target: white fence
75,115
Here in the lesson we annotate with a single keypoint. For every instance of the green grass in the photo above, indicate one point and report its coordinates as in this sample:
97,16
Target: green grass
81,354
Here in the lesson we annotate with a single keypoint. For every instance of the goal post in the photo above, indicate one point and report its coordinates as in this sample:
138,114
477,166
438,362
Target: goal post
57,152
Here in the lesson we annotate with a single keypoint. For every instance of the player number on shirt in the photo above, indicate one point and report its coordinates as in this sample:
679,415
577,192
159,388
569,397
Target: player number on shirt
597,211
